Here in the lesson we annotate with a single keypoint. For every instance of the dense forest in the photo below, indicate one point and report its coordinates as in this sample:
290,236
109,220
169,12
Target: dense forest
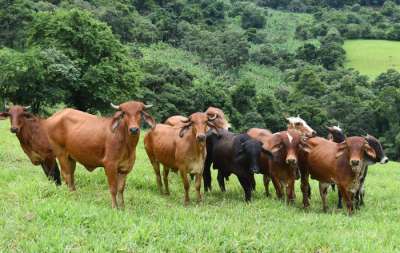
259,60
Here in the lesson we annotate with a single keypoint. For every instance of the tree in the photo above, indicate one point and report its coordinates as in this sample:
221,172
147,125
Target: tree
106,73
36,77
253,18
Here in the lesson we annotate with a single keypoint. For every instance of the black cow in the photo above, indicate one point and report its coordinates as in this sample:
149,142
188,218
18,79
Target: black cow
338,136
231,153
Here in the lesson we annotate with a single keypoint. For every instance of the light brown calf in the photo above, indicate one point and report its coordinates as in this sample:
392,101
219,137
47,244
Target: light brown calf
182,148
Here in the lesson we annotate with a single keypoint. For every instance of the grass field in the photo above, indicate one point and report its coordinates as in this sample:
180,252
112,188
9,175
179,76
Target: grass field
372,57
35,216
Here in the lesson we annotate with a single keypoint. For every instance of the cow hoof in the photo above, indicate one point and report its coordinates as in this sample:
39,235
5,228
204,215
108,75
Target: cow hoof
167,193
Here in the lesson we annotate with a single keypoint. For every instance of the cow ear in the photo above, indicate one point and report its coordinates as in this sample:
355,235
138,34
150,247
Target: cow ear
276,148
3,115
212,127
184,130
370,151
341,149
116,120
305,147
267,152
149,119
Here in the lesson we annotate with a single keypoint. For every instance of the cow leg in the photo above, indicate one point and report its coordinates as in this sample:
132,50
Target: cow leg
348,198
53,170
246,184
156,167
186,186
221,181
339,205
68,170
323,191
198,186
45,169
165,178
207,174
278,187
305,189
266,180
121,188
290,192
253,183
112,178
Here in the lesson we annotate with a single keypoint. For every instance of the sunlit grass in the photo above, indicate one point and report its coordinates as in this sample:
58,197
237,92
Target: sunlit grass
372,57
36,216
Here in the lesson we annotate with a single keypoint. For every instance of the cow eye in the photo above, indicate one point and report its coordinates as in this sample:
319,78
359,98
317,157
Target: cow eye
297,124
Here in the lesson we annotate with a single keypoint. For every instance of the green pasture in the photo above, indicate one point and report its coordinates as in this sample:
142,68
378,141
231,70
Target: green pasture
36,216
372,57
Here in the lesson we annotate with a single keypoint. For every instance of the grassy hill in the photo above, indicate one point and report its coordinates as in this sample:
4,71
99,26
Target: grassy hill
35,216
372,57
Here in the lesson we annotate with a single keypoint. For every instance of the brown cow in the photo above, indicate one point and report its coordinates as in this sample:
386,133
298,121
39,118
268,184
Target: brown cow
212,112
32,137
182,148
99,142
338,163
295,124
282,168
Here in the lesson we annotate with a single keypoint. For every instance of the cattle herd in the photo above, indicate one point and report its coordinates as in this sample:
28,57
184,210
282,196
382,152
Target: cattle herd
190,145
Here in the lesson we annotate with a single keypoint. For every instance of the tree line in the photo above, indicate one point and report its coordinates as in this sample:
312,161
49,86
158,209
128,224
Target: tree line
84,54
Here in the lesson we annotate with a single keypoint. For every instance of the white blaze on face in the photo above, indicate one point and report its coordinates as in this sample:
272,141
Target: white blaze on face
337,128
296,120
289,137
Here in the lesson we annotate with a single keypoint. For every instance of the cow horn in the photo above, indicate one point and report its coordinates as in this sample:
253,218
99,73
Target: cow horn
186,120
148,106
213,117
27,107
116,107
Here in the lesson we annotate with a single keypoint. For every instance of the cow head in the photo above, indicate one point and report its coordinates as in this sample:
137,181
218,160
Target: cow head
218,117
297,123
286,144
336,134
356,147
199,122
131,113
18,114
249,152
377,146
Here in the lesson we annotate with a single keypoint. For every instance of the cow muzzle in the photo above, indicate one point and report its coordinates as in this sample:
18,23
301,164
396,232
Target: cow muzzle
134,130
255,170
201,138
354,162
291,161
14,130
384,160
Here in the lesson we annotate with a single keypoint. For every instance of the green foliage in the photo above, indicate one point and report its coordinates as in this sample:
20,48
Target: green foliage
36,77
253,18
106,74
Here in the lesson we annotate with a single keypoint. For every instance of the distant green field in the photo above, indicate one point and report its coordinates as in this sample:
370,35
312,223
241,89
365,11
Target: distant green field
36,216
372,57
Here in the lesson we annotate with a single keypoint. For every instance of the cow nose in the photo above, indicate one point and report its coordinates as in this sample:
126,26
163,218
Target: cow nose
201,137
314,133
255,170
14,130
291,161
355,162
385,160
134,130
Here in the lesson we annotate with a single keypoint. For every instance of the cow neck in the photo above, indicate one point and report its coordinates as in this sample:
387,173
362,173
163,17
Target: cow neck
29,131
199,149
130,141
